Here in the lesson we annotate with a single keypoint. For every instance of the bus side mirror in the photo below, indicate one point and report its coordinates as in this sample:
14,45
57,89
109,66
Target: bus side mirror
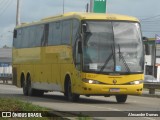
144,39
84,27
146,46
15,34
79,47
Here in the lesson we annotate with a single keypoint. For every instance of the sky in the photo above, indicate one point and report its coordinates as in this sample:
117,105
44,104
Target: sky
147,11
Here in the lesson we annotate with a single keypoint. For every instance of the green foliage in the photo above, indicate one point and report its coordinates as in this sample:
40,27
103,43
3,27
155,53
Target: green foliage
7,104
10,104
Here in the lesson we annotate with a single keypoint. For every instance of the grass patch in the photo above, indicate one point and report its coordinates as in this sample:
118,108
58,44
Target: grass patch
11,105
8,104
15,105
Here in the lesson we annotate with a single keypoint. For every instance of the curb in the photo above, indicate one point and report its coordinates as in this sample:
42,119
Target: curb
150,95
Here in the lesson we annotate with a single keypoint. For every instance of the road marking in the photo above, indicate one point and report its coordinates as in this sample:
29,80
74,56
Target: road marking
112,109
149,118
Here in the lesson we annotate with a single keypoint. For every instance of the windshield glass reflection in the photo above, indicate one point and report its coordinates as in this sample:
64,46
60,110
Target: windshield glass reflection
112,47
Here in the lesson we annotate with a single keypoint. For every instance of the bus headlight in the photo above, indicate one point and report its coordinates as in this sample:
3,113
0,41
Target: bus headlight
136,82
91,81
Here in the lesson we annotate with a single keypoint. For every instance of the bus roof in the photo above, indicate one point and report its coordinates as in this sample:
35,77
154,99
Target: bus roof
82,15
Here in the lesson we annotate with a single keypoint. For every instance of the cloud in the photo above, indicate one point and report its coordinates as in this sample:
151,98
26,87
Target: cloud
7,21
33,10
6,35
141,9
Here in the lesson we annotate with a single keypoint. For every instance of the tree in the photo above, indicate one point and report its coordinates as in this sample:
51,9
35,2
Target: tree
5,46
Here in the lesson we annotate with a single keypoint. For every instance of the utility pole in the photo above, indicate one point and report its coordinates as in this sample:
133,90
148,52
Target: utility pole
63,6
87,7
18,13
91,5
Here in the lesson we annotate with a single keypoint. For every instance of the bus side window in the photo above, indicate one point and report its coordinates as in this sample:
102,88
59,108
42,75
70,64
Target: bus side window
75,40
14,38
25,38
32,36
57,30
17,38
50,35
15,34
66,32
44,40
39,35
75,31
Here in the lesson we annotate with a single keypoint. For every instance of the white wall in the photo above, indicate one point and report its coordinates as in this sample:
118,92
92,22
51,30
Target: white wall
5,71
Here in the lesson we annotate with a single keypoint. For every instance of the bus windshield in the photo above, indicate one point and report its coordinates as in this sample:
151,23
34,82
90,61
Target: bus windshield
110,47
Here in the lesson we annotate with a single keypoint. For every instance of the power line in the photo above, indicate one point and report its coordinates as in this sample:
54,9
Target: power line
150,17
157,20
155,26
150,31
3,3
150,23
6,7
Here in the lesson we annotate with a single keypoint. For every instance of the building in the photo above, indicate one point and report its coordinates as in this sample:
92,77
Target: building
5,62
152,57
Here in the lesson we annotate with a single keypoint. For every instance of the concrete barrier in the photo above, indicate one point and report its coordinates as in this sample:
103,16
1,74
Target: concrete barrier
6,80
152,87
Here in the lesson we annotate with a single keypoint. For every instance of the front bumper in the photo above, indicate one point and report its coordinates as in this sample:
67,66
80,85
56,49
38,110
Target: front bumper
100,89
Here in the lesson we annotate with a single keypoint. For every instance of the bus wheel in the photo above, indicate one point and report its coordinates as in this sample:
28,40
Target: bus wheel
121,98
25,89
71,96
30,89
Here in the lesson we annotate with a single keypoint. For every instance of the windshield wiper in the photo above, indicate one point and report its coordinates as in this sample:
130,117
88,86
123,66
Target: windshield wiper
107,60
121,57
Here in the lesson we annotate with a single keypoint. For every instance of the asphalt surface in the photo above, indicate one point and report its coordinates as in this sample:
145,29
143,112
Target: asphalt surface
95,106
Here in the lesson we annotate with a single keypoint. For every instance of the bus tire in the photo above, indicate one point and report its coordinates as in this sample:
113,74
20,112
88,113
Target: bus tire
121,98
71,96
31,91
25,89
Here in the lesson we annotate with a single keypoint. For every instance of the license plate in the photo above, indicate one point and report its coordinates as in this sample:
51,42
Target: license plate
114,90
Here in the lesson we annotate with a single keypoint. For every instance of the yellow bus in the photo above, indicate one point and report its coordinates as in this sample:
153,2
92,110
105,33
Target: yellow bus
80,54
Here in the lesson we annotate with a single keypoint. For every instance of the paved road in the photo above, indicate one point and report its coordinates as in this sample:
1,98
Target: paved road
56,101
